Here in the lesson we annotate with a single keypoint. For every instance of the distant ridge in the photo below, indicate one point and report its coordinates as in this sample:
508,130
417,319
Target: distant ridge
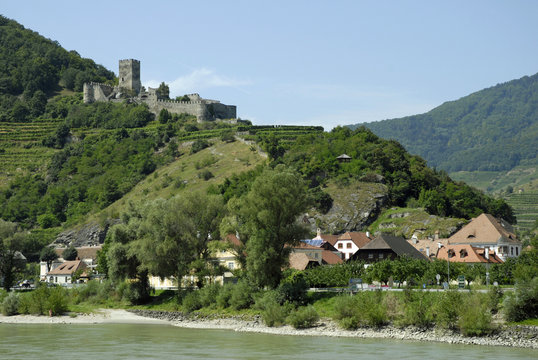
494,129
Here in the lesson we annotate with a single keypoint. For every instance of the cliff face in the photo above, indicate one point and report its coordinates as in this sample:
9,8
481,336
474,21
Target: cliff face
355,206
91,234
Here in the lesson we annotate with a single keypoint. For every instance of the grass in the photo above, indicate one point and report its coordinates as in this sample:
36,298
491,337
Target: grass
225,158
528,322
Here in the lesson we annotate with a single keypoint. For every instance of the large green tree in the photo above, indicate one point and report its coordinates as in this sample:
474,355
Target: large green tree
267,219
11,260
174,235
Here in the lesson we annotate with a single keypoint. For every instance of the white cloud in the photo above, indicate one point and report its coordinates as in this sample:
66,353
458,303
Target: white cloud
198,80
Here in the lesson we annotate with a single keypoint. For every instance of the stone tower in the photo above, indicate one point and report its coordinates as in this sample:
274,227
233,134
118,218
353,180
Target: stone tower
129,76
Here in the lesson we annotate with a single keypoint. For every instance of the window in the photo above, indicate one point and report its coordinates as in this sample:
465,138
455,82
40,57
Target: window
316,256
231,265
511,250
517,251
370,256
348,245
340,245
381,255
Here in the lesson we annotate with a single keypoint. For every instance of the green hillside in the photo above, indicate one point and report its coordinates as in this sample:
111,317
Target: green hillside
64,163
495,129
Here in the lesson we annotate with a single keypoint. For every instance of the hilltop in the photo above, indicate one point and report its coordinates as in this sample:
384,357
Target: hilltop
495,129
72,162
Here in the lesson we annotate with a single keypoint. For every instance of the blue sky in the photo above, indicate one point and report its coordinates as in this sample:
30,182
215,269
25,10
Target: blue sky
322,63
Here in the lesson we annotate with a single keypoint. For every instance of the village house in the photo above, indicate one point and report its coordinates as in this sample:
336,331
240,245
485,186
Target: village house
486,231
350,242
387,246
86,254
66,272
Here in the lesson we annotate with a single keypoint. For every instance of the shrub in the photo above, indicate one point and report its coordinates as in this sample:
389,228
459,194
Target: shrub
346,312
293,289
417,309
242,296
475,317
224,296
303,317
198,145
209,294
34,302
371,308
205,175
523,302
191,301
136,292
57,301
275,314
447,309
10,304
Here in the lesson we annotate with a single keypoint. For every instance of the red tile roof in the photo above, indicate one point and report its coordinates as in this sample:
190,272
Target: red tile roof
330,258
465,253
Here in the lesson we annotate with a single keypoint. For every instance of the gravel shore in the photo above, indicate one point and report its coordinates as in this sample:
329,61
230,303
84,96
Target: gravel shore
514,336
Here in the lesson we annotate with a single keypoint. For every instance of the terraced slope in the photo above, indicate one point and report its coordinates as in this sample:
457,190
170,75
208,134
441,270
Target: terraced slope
525,207
21,150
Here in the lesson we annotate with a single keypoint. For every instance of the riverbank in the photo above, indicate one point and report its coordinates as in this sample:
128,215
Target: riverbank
516,336
102,316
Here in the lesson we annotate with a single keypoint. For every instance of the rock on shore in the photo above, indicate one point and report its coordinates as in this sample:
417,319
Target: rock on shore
514,336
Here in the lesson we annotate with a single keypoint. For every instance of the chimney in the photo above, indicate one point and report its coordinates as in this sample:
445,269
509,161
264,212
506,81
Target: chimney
368,234
486,253
436,237
428,251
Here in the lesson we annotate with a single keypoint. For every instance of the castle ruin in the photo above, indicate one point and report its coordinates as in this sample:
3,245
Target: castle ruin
130,87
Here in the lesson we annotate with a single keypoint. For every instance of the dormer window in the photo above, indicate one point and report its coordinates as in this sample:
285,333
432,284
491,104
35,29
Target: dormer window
463,253
451,253
470,236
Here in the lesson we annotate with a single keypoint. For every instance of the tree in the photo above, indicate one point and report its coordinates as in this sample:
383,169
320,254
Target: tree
70,253
268,214
11,260
164,116
163,91
173,235
48,255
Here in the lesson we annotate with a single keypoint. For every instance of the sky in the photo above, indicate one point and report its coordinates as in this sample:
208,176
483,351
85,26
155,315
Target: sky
325,63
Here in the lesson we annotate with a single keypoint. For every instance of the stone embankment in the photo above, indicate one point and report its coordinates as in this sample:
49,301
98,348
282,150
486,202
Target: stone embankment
514,336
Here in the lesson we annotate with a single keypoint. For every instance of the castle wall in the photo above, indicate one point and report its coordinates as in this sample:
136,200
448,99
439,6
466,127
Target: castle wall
129,78
96,92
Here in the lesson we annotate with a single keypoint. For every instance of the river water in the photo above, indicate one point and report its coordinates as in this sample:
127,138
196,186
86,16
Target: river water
130,341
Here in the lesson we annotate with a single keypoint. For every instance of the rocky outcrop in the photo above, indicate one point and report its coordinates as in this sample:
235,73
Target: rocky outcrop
355,206
91,234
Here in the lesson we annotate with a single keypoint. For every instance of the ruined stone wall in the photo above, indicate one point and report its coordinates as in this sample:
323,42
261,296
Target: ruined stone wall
96,92
222,111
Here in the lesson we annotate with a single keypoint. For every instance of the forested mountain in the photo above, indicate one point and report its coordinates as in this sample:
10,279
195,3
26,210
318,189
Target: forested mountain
493,129
32,68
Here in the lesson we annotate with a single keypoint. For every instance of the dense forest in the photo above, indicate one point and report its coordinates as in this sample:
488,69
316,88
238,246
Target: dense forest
32,68
493,129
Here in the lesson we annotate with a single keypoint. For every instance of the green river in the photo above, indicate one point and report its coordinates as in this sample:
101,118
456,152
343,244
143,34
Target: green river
129,341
